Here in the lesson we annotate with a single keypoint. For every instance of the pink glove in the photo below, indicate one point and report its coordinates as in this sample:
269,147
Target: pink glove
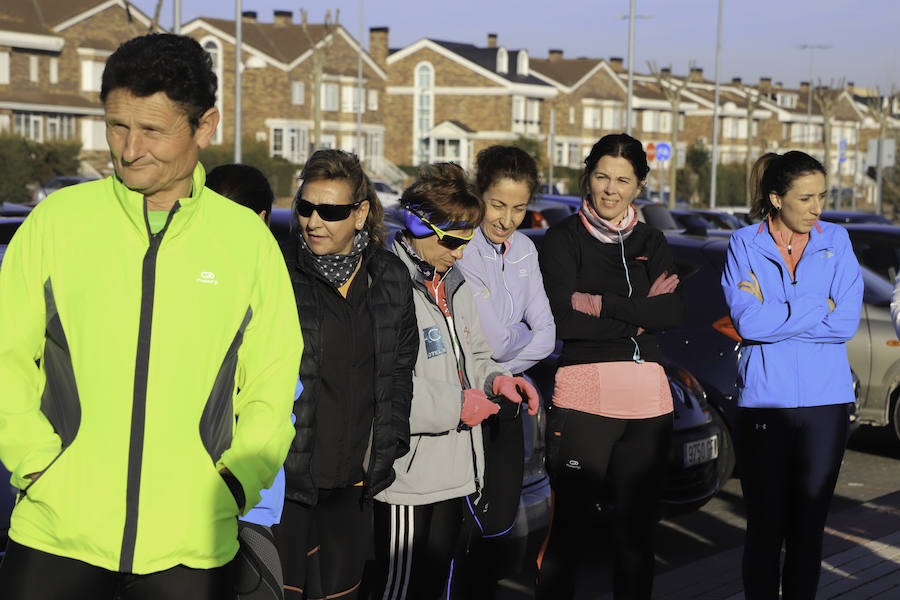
476,407
509,388
664,284
589,304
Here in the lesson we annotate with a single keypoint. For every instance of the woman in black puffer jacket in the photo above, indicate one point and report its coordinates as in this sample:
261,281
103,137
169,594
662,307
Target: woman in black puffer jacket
360,345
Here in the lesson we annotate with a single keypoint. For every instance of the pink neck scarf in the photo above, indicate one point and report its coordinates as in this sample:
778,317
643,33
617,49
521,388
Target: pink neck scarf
602,229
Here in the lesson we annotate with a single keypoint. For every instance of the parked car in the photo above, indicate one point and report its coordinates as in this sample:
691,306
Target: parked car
877,247
57,183
388,195
848,216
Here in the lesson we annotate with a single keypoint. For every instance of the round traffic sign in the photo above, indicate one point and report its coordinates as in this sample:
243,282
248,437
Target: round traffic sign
651,151
663,151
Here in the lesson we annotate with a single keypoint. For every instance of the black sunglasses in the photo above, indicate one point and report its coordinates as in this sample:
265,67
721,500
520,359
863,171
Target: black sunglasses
327,212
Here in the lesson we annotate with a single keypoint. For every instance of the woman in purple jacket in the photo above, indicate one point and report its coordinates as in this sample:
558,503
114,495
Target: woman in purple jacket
501,266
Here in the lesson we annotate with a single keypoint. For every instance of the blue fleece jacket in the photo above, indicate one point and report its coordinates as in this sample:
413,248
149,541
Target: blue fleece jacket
793,351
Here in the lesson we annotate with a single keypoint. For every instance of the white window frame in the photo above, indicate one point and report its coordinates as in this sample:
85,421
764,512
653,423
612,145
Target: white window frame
423,110
298,93
571,115
522,63
33,68
373,99
518,114
54,70
532,115
4,68
29,125
331,97
502,60
217,57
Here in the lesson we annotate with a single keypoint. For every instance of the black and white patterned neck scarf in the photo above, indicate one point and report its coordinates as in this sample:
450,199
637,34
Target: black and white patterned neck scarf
337,268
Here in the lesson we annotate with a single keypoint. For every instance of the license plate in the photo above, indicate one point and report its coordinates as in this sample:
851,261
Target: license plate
701,451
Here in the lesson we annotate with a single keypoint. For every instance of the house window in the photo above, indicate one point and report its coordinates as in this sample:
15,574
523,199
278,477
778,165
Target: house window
447,150
797,132
60,127
330,96
328,141
592,117
423,111
350,99
650,121
54,70
533,116
574,155
571,115
502,60
33,68
4,68
613,119
729,128
29,125
518,114
373,99
522,63
277,142
665,122
298,90
211,45
559,154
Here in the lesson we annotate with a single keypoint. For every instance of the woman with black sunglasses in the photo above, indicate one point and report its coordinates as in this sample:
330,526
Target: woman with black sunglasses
418,519
352,419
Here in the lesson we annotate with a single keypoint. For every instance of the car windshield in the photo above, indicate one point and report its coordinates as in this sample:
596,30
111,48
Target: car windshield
658,216
876,290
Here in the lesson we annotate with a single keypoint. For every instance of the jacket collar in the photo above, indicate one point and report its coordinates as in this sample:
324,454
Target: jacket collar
764,242
133,203
452,278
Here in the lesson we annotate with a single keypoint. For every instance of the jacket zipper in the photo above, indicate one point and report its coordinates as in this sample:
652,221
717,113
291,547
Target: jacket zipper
139,401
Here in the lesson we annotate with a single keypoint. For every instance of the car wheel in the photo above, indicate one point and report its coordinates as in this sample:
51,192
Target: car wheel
726,460
895,417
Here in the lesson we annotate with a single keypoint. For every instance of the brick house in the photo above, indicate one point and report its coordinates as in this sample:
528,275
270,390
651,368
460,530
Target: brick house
52,55
447,100
278,86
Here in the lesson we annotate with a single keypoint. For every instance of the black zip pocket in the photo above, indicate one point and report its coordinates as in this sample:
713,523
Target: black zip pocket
40,474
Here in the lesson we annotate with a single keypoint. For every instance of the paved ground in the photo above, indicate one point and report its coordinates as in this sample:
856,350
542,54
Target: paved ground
699,555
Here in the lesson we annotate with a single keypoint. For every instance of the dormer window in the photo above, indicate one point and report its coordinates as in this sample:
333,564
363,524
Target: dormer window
502,60
522,63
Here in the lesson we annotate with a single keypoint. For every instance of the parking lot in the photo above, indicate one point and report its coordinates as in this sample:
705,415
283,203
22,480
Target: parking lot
699,554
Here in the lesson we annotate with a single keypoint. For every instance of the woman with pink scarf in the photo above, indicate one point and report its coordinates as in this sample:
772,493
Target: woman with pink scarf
611,283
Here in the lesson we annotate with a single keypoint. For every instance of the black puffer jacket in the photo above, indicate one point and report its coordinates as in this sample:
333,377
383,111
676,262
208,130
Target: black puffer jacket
396,346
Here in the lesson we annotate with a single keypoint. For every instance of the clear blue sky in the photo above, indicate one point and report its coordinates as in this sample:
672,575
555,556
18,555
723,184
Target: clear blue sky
759,36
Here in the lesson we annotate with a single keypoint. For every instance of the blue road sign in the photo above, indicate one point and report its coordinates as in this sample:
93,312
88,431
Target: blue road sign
842,151
663,151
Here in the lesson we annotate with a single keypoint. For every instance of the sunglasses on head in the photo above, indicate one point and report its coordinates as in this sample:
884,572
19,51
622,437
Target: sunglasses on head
327,212
421,227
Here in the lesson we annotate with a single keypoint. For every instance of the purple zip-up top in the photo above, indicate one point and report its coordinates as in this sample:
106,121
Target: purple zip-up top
512,305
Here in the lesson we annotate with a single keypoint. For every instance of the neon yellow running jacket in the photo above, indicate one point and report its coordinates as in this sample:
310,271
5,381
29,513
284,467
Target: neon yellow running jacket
134,367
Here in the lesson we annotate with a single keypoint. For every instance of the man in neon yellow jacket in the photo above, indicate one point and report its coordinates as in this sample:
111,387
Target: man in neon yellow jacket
149,351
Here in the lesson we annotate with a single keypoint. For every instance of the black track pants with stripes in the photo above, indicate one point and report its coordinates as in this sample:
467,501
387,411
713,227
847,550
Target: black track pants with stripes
413,549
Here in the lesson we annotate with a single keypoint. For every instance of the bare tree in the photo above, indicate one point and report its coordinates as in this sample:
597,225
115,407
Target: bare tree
154,24
132,26
320,54
754,96
827,98
881,110
671,89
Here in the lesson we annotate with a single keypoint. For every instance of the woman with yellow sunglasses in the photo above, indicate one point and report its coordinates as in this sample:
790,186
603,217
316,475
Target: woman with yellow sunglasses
418,519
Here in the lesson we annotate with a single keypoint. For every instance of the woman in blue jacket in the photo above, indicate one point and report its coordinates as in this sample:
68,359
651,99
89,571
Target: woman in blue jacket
794,290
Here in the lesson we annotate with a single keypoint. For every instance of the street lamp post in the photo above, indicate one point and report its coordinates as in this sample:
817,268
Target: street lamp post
628,102
715,135
359,86
238,50
812,48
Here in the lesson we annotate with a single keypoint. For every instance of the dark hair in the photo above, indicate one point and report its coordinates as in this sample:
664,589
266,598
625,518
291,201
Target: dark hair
245,185
776,173
443,194
336,164
615,144
505,162
164,62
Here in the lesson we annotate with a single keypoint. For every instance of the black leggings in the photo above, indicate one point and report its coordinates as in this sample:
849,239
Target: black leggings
590,457
29,574
789,459
323,549
414,546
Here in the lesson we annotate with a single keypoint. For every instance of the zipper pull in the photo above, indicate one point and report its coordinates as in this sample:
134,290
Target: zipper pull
789,249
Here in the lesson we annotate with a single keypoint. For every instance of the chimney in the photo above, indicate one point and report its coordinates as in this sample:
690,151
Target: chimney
283,17
765,83
248,16
492,40
736,80
616,63
804,87
850,87
696,74
778,85
556,55
378,45
666,71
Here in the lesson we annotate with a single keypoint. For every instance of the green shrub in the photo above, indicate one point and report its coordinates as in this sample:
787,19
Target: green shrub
25,161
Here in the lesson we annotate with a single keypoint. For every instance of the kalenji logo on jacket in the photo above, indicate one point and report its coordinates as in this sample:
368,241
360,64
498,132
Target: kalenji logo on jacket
207,277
